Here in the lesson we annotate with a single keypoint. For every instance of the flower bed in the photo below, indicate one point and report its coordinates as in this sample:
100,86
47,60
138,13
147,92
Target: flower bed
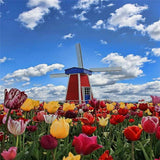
99,130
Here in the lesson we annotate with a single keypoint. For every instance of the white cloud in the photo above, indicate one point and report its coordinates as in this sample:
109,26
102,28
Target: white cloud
47,93
44,3
99,24
154,30
127,92
156,51
36,71
110,5
2,60
32,18
85,4
25,84
81,16
131,64
127,16
68,36
103,42
156,79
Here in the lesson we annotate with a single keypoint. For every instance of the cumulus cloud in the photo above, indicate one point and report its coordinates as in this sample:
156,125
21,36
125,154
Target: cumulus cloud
47,93
154,30
100,24
68,36
2,60
103,42
36,71
30,19
131,64
127,16
25,84
131,68
156,51
85,4
81,16
44,3
127,92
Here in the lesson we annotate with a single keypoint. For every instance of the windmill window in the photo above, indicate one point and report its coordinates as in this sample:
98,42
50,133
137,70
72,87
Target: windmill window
87,91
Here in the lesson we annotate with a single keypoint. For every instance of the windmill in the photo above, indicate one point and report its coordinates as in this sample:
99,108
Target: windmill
79,88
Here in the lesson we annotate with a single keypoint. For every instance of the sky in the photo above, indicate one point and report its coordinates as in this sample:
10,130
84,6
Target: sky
38,38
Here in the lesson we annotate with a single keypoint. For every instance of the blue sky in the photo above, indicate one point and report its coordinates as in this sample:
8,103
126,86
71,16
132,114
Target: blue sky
38,37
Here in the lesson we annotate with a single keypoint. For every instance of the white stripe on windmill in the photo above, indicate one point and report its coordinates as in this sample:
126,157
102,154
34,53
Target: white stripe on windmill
79,88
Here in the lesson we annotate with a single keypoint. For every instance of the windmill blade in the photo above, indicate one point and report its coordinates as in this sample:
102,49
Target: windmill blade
79,55
108,69
58,75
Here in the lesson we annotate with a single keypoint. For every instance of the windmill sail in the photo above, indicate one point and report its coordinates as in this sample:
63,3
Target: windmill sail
108,69
58,75
79,55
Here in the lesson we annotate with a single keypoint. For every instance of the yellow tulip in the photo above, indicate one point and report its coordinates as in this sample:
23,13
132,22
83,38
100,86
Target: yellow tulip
59,128
110,107
51,107
129,105
122,105
28,105
72,157
113,103
103,121
148,112
68,106
140,126
115,111
1,107
68,120
36,104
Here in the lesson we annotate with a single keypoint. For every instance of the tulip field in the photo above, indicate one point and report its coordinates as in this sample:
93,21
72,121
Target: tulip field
99,130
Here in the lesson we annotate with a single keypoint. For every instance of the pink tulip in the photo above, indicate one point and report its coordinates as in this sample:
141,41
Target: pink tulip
17,127
40,115
155,99
14,98
150,124
10,154
85,145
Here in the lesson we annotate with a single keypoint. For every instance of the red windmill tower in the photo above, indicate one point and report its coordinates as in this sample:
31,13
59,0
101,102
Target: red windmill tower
79,88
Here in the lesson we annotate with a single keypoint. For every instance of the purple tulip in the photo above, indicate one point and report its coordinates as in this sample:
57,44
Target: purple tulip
14,98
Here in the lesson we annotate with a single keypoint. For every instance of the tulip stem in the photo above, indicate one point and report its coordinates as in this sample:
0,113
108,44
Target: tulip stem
132,150
5,131
53,155
17,141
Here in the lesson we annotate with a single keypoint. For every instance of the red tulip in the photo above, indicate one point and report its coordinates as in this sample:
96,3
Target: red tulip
123,111
132,133
10,154
140,114
85,145
48,142
143,106
88,130
115,119
131,120
14,98
32,128
40,116
150,124
158,133
88,118
105,156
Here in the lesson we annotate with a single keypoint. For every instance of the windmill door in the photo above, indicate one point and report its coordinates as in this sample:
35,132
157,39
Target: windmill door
86,94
